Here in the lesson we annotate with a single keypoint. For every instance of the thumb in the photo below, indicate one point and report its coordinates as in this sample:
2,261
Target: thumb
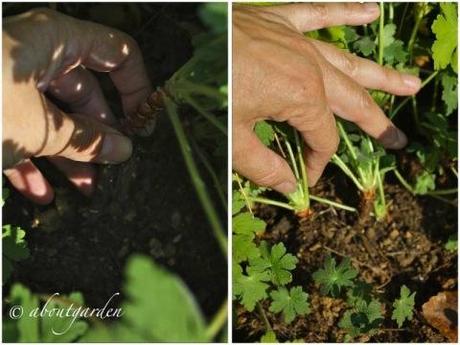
259,164
81,138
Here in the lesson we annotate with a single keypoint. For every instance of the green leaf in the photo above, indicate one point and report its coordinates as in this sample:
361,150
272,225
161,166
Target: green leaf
333,278
28,327
238,202
250,288
264,132
445,28
365,46
269,337
349,34
395,53
451,244
14,248
389,31
5,195
425,182
214,15
360,292
449,92
290,303
403,306
245,223
364,317
245,226
277,263
168,309
35,326
63,329
244,247
158,308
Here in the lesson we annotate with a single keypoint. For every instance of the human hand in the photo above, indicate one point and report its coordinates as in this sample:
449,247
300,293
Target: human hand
280,75
46,53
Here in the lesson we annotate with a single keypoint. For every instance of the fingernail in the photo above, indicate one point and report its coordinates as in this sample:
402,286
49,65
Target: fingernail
285,187
371,7
116,148
412,81
394,139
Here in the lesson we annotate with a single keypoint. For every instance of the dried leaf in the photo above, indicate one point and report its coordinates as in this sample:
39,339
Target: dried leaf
441,313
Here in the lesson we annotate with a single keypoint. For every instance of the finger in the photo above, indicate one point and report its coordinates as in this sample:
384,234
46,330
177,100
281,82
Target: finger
115,52
321,138
29,181
313,16
81,175
260,164
368,73
81,138
80,90
353,103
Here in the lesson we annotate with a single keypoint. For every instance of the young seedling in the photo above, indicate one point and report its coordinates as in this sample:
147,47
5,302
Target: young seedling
366,164
403,306
287,142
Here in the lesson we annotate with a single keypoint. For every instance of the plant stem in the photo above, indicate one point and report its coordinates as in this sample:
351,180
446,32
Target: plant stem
278,143
415,114
381,192
217,322
351,149
443,191
243,193
264,317
403,103
381,26
303,169
403,17
404,182
332,203
341,164
413,35
197,181
447,201
212,173
292,158
206,114
272,202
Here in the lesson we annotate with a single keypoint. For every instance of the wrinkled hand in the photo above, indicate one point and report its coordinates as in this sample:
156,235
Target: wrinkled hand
280,75
49,54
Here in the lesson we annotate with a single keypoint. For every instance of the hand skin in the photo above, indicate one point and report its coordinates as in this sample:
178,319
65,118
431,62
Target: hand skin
45,54
280,75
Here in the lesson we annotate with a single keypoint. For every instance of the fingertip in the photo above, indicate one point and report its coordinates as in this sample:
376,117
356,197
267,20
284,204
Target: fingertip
412,83
29,181
393,138
285,187
116,148
81,175
372,9
43,197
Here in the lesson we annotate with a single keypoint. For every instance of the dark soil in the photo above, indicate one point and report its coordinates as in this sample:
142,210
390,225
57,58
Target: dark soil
146,205
406,248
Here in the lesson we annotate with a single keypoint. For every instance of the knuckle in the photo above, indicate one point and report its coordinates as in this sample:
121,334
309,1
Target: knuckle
85,138
365,101
350,65
42,13
270,176
321,12
390,76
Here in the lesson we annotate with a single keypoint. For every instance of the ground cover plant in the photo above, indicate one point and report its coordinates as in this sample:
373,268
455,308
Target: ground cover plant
368,259
154,231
